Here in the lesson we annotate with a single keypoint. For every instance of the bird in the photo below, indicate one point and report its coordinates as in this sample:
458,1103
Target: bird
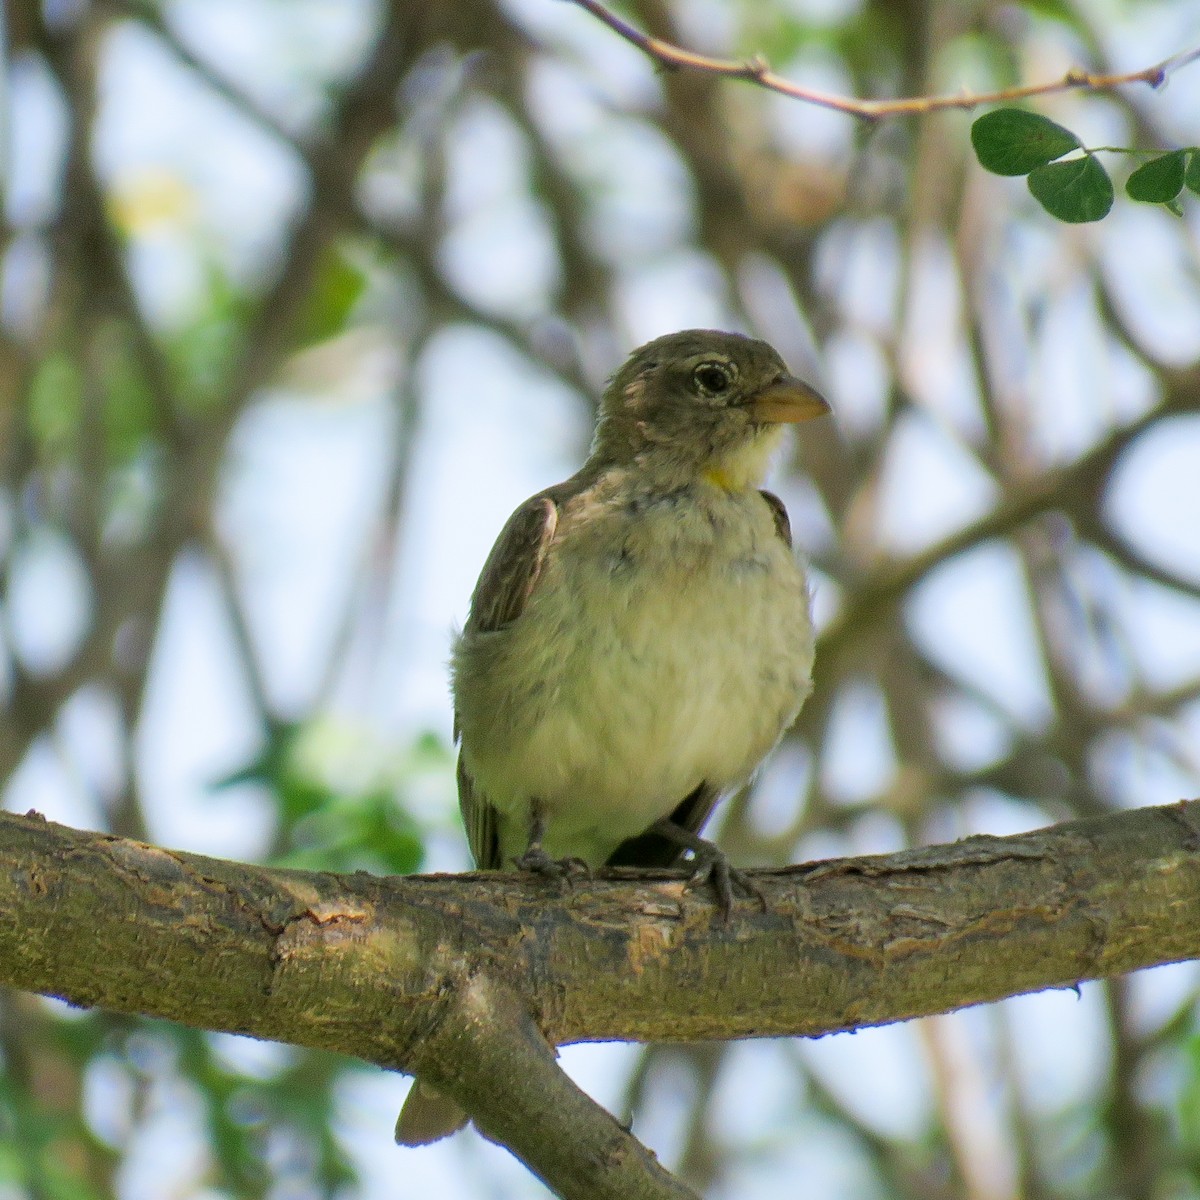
640,636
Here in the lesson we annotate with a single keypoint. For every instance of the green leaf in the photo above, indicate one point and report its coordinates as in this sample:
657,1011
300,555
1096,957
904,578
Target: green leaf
129,415
364,832
1057,10
55,405
1011,141
200,352
1159,180
1191,177
270,764
1076,191
337,288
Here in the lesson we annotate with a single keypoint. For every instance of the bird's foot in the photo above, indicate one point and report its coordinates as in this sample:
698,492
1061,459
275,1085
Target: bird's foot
536,859
562,870
710,865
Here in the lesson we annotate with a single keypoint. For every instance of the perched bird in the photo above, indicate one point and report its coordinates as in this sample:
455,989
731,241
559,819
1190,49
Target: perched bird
640,635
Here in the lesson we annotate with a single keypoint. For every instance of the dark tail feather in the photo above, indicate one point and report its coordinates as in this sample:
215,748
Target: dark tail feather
654,850
427,1116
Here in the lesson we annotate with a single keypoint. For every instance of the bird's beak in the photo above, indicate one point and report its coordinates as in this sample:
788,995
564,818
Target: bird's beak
787,401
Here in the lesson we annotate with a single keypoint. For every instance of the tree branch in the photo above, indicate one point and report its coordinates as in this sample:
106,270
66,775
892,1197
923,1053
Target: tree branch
423,973
757,70
489,1055
1075,489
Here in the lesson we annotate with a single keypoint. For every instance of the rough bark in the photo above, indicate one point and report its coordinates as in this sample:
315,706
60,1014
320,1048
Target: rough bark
393,969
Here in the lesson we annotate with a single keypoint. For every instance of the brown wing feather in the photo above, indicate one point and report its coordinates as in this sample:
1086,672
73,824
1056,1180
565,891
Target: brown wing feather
783,526
513,567
505,585
479,820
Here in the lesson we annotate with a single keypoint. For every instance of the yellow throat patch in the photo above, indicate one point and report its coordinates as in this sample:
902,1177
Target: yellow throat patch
722,478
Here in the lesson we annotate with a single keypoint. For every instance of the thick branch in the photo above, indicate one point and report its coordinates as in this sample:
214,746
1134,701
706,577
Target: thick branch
358,963
385,968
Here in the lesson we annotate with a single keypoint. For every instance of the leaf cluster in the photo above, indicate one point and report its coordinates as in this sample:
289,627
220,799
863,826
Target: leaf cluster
1078,189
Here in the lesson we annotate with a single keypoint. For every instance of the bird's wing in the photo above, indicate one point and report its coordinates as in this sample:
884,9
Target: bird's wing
654,850
479,820
505,585
783,526
513,567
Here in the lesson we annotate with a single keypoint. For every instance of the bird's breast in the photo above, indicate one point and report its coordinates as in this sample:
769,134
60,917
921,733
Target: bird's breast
666,644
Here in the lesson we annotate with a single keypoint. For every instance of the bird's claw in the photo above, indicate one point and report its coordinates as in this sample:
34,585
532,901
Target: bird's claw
712,867
561,870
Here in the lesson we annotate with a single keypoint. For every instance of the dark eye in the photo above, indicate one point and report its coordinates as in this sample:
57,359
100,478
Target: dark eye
712,378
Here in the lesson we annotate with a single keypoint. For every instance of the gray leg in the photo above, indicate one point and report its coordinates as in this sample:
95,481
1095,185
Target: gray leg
711,866
536,859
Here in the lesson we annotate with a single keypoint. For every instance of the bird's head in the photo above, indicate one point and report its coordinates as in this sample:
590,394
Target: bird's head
701,404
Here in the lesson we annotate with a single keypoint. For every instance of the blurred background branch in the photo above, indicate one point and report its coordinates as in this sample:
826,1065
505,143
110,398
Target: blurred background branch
298,300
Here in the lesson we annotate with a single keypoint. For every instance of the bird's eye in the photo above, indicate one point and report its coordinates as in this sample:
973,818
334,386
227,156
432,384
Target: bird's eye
712,378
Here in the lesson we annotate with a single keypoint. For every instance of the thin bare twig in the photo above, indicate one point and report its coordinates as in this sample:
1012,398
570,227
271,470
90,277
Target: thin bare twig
757,70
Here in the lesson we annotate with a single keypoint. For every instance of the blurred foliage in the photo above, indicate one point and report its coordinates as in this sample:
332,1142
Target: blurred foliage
229,238
339,285
330,823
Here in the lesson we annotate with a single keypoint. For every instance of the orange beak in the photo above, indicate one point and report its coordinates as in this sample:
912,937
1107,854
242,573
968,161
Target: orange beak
787,401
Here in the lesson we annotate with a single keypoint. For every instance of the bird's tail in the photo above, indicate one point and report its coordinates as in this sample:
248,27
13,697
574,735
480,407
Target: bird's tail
427,1116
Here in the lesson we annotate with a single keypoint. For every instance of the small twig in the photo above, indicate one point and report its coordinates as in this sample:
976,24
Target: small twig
1073,489
5,108
757,70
